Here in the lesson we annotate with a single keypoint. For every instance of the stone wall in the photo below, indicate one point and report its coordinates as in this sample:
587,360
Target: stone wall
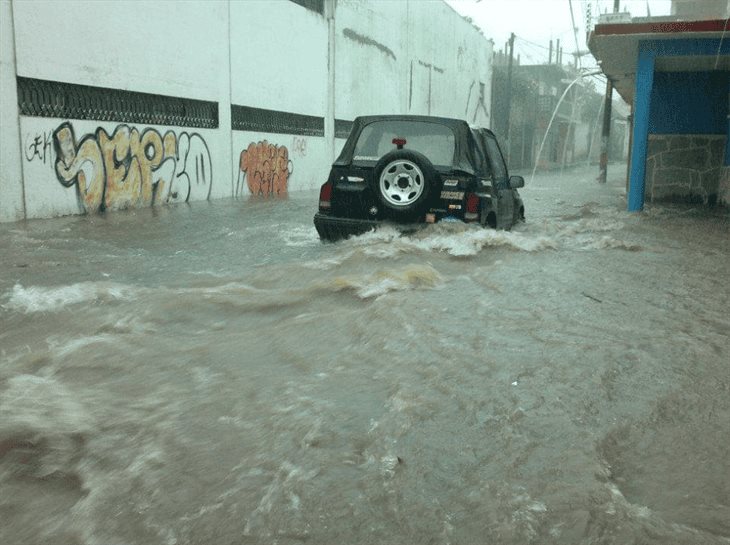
686,168
723,192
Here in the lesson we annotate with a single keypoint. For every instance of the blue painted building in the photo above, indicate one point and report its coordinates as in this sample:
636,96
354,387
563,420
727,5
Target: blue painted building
676,76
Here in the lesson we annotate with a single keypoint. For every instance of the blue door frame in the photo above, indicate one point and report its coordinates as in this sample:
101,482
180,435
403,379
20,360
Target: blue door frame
649,51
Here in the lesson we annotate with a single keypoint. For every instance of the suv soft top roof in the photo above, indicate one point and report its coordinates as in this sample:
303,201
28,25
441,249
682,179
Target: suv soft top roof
466,150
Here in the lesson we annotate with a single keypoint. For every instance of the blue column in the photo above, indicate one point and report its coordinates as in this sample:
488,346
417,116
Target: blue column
642,103
727,130
727,145
727,142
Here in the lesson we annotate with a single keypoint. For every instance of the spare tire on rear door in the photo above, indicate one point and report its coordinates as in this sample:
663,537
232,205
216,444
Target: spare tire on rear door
402,181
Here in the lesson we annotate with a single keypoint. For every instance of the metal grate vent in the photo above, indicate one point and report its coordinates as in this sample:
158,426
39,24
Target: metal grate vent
246,118
314,5
43,98
342,128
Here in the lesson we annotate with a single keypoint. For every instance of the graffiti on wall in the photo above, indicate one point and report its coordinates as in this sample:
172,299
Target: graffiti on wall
265,168
38,147
131,169
299,146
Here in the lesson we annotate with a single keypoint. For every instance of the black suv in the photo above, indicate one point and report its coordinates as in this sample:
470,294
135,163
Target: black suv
412,169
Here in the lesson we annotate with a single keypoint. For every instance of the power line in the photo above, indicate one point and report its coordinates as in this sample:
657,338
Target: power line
600,78
532,43
539,52
533,51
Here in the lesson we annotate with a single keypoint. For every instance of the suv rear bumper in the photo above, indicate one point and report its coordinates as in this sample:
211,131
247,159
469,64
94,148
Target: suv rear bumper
335,228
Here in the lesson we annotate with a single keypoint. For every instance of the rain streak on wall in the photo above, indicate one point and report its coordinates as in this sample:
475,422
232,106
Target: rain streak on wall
123,107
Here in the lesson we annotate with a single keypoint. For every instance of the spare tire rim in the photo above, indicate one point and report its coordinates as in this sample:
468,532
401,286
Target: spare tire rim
401,183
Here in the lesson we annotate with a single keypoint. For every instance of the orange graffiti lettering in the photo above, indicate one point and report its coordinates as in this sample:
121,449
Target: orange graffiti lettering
266,168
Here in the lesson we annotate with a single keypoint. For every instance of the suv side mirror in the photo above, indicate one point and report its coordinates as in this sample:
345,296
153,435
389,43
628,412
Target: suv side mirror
515,182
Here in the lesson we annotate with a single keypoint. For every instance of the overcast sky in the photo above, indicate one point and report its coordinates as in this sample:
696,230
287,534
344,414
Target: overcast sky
536,22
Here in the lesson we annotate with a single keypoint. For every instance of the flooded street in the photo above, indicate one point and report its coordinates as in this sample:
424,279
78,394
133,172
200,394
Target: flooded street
214,374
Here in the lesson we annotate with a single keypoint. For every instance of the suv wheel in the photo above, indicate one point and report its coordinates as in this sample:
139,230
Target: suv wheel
487,215
403,180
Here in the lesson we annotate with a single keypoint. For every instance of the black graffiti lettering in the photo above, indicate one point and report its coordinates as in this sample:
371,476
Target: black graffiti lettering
38,147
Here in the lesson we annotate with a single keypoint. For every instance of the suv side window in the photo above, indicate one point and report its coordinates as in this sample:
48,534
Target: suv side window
485,169
499,168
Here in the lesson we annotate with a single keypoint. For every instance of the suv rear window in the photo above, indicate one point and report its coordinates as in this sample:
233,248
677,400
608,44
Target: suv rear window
433,140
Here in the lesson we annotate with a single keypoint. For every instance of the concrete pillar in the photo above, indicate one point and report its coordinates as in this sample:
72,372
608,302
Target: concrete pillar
642,104
329,118
225,125
12,194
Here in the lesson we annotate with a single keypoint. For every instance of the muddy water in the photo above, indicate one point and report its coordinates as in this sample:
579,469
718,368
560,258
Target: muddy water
214,374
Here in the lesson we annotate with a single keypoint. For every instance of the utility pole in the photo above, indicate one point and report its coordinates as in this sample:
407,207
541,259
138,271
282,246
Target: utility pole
509,94
605,133
606,130
550,54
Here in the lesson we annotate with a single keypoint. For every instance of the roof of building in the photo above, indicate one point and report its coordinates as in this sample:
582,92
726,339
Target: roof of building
616,46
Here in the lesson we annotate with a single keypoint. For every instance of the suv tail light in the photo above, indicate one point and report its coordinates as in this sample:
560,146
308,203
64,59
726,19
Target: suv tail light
325,196
472,207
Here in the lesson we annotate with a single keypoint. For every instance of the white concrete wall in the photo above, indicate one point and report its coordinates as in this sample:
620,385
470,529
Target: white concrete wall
11,174
278,62
409,56
278,56
370,58
413,56
174,49
439,37
168,48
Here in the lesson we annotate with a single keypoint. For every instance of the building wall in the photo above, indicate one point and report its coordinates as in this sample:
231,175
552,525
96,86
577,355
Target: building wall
74,165
449,66
11,174
278,67
688,137
163,103
692,10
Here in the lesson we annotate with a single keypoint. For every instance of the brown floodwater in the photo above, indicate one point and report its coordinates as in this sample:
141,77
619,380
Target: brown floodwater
213,373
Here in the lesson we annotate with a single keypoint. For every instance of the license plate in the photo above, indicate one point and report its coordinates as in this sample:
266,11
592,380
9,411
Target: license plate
452,195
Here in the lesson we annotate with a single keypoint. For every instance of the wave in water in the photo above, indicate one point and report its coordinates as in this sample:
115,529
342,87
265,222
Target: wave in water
41,418
384,281
458,240
45,299
298,237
